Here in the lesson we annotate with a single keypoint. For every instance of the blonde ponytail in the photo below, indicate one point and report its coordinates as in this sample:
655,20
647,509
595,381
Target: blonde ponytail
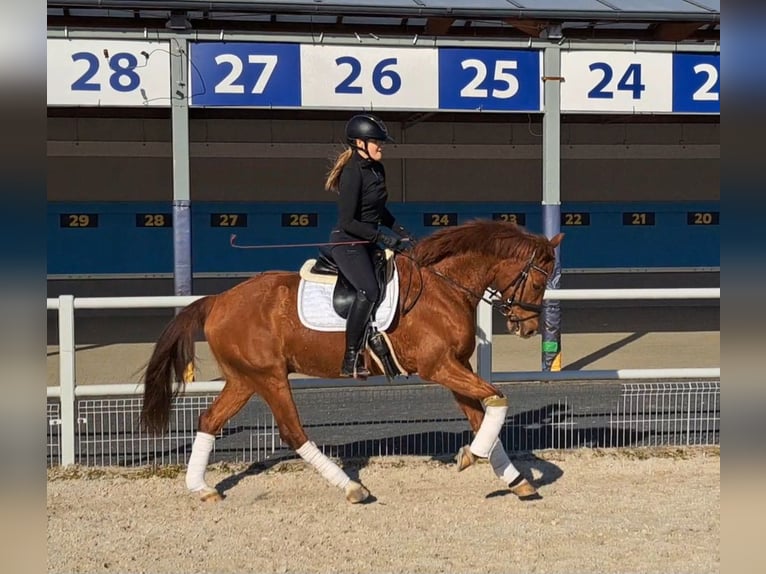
333,176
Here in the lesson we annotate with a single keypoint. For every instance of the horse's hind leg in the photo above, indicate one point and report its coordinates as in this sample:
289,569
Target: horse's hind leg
235,394
278,396
498,458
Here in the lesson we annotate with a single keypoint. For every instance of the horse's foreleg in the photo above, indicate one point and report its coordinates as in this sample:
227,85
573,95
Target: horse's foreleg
498,458
461,380
471,409
508,473
279,398
233,397
501,464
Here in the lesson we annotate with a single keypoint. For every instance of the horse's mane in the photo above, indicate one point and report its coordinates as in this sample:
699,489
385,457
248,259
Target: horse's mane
482,237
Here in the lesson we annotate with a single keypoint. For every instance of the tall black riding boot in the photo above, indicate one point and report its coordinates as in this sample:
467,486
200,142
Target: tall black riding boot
356,327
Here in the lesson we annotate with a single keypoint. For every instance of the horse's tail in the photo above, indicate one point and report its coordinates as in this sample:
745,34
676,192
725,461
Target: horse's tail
173,356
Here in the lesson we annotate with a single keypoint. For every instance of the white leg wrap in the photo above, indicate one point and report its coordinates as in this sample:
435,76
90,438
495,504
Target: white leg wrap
195,470
327,468
501,464
494,417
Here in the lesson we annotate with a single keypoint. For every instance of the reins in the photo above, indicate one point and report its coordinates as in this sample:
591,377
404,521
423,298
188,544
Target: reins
504,306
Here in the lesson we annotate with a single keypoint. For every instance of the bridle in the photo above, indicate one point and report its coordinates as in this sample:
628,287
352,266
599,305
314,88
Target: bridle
505,306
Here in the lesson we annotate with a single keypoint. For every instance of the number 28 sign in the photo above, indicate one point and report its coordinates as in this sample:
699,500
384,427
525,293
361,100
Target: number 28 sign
108,73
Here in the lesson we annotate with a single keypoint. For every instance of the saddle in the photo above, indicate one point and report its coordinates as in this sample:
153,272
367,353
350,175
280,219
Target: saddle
325,270
344,293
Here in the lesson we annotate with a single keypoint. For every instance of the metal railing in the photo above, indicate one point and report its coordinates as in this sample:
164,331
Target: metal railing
68,391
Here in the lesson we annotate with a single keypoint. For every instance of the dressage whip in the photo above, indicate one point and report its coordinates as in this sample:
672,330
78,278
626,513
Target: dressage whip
233,239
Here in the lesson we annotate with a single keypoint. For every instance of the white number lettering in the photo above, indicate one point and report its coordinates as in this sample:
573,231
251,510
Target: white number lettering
472,90
269,62
704,94
503,75
227,85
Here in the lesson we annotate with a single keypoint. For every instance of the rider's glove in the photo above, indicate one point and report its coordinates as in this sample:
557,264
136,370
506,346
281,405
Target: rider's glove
402,232
390,242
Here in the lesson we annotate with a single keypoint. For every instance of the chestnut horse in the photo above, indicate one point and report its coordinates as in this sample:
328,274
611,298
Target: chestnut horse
257,339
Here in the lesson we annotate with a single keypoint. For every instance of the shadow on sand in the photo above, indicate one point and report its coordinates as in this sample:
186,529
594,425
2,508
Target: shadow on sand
524,432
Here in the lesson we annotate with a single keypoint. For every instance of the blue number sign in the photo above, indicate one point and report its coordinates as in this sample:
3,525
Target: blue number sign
357,77
475,79
697,83
245,74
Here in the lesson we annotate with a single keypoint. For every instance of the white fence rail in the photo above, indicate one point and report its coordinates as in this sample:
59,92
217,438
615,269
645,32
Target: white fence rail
67,391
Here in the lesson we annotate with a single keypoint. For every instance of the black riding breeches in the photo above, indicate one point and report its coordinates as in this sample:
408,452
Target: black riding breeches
355,261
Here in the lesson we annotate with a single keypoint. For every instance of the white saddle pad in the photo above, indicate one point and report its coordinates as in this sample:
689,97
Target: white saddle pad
316,311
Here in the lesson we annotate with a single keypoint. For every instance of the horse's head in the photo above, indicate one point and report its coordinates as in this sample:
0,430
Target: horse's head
521,285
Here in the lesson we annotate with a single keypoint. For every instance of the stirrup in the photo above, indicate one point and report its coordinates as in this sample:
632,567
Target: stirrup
357,371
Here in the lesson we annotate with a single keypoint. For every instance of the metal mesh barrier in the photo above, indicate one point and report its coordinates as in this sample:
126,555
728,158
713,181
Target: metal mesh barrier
669,414
53,434
413,420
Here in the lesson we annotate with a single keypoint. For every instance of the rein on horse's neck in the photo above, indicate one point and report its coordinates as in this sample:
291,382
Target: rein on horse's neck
471,287
469,272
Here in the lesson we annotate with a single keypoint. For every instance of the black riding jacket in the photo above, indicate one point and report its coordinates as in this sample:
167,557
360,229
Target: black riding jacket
362,202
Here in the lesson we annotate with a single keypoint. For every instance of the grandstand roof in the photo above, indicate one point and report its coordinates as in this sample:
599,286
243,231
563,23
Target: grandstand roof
660,20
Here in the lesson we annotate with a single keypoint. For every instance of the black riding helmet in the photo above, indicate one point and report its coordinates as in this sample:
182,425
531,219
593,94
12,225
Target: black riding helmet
367,127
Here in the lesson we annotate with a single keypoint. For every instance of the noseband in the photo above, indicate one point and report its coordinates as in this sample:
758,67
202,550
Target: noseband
507,306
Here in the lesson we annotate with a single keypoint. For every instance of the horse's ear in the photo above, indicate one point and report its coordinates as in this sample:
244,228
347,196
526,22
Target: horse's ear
555,241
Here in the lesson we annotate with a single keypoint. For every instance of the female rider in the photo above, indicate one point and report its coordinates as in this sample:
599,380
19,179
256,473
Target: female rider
359,180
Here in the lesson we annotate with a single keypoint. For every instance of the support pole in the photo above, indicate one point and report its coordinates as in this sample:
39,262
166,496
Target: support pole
67,375
551,207
484,346
179,90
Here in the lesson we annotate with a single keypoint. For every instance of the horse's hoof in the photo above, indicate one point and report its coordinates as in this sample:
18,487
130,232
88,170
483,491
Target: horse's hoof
356,492
524,490
464,458
210,495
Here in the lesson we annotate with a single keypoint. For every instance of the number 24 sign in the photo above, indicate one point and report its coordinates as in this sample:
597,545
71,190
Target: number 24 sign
631,82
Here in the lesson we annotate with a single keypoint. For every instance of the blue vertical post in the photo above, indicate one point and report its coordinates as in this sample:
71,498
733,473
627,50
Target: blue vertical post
551,315
179,91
